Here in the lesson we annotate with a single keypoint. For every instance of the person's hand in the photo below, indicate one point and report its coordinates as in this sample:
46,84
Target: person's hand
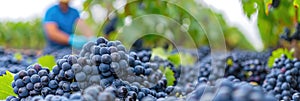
77,41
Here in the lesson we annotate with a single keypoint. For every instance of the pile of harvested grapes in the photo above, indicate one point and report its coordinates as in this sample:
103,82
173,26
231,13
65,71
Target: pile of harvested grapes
105,71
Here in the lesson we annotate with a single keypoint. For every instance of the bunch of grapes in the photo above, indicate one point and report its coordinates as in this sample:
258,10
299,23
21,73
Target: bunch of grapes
205,67
229,89
103,64
36,80
50,97
203,52
9,62
120,69
62,77
212,69
33,81
248,66
283,80
101,61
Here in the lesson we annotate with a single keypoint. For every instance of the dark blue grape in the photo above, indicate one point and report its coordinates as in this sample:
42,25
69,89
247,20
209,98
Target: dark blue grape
45,91
55,70
66,66
59,92
296,97
16,77
19,83
53,84
23,92
29,86
51,76
104,67
141,95
31,72
74,86
105,58
45,80
285,86
43,73
69,74
38,86
13,84
66,87
107,74
33,92
16,89
139,70
22,73
101,40
60,62
104,50
110,43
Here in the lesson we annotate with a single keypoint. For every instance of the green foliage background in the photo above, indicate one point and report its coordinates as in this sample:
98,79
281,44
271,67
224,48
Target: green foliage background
25,35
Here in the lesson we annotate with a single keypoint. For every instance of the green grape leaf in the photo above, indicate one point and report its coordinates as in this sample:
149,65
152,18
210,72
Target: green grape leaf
277,54
47,61
184,59
249,8
175,59
6,88
160,52
169,76
18,56
162,69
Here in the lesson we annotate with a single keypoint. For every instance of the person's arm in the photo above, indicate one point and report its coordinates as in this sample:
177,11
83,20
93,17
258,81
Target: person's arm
55,34
84,28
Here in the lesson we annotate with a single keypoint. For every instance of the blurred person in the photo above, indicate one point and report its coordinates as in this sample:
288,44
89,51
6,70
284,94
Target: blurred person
59,25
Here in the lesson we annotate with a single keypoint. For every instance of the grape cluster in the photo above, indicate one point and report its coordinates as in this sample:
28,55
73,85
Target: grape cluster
286,34
29,82
283,80
203,52
248,66
205,67
9,62
103,64
101,61
62,77
212,69
229,89
122,90
132,75
36,80
50,97
97,93
143,55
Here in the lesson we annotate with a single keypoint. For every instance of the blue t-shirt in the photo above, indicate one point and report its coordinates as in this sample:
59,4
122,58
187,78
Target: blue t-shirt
64,20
